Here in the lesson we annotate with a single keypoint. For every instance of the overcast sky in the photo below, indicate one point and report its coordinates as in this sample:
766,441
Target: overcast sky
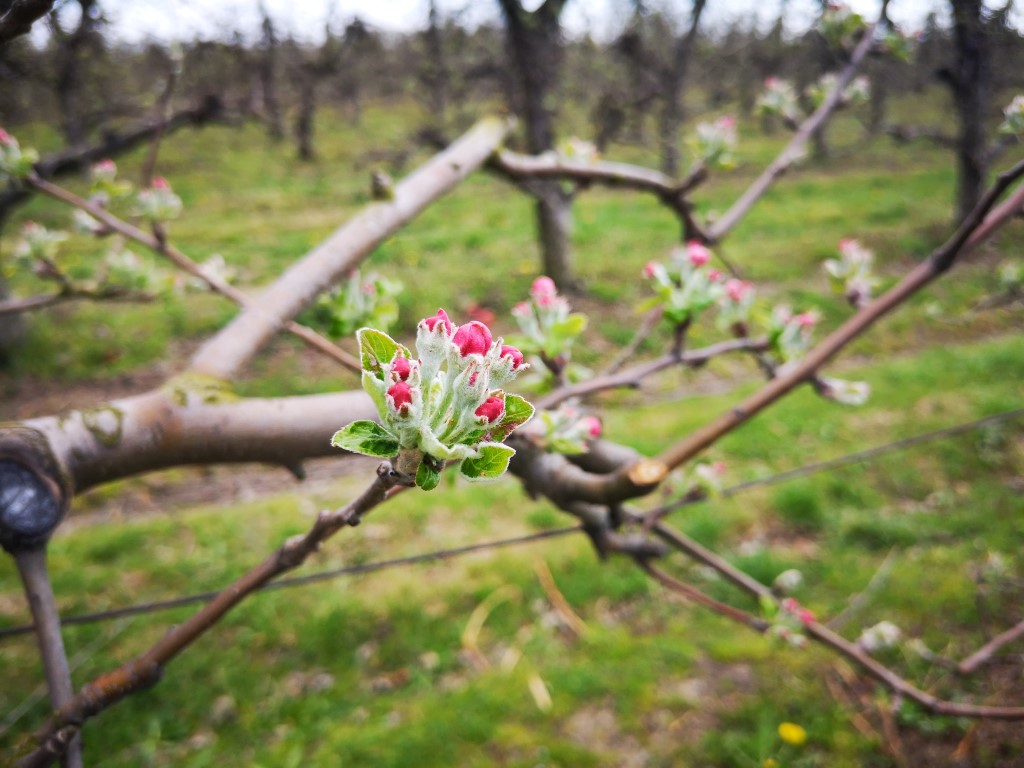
139,20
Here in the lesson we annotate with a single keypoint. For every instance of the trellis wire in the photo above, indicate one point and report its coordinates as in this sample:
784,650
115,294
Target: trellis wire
352,570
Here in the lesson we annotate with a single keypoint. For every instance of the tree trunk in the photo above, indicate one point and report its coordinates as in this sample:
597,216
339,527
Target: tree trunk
535,48
305,116
554,223
971,96
12,327
671,123
268,79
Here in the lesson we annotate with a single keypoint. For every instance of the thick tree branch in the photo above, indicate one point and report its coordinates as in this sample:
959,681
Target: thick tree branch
795,149
192,421
145,670
227,352
983,221
17,18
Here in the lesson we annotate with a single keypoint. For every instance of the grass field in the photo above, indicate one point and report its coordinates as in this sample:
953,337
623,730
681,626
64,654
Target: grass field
375,669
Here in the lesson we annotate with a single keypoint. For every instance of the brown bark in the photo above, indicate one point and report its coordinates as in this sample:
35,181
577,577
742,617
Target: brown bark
970,80
534,41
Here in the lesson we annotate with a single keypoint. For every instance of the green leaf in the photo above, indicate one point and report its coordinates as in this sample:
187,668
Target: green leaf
427,476
376,349
517,412
492,461
569,328
367,438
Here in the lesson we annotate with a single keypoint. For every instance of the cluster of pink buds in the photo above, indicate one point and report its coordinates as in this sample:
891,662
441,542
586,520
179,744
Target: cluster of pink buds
685,286
363,300
851,274
548,325
446,404
158,202
15,162
566,429
790,620
778,99
1013,124
789,334
38,247
714,142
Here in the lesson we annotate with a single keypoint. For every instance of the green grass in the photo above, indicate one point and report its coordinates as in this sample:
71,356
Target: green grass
372,669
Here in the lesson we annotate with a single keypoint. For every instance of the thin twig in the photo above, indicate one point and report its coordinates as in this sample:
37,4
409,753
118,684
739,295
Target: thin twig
183,262
794,150
634,376
145,670
843,647
35,580
984,654
855,603
651,320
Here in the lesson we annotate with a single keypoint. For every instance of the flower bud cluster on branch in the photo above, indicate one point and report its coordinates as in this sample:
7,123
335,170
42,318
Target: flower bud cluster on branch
444,405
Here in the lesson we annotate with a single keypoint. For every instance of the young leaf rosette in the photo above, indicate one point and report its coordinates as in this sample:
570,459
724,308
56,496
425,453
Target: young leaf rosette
447,404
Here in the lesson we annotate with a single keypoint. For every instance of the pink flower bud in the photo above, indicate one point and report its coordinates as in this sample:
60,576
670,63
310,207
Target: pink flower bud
728,122
806,319
651,269
491,409
400,395
106,165
790,605
160,183
719,467
522,309
369,289
737,289
806,617
543,288
715,275
5,137
441,317
698,254
846,243
771,82
593,426
472,338
515,355
401,367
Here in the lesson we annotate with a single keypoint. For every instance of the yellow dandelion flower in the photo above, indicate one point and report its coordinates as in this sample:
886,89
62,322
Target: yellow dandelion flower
770,762
791,733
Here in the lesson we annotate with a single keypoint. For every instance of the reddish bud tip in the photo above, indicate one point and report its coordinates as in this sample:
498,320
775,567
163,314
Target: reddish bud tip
698,254
5,137
736,289
514,354
400,395
727,122
440,317
806,319
472,338
806,617
160,183
715,275
593,425
543,288
491,409
522,309
401,367
651,269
